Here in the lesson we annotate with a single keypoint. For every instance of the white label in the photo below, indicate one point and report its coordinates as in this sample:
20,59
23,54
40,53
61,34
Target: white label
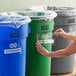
10,51
46,41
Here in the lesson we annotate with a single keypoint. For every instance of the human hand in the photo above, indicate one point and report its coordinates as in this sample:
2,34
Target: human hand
55,54
71,49
44,52
60,32
41,49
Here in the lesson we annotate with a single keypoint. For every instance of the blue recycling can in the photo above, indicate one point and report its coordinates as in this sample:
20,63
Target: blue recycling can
13,34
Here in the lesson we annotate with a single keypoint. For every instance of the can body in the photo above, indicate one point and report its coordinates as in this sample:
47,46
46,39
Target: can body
61,43
40,31
68,24
13,50
66,19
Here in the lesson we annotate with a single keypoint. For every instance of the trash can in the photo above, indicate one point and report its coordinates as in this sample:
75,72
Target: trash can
41,29
13,34
66,20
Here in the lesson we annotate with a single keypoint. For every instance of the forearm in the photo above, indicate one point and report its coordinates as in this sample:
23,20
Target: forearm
72,47
69,36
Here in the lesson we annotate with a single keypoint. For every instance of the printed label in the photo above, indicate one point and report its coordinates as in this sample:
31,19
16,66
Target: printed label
71,20
44,38
13,48
16,34
44,27
10,51
46,41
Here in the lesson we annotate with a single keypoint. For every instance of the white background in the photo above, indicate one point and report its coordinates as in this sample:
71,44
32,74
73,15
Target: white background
15,5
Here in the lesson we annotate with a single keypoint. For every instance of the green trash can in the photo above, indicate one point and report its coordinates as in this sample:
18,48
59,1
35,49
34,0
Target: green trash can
66,19
41,29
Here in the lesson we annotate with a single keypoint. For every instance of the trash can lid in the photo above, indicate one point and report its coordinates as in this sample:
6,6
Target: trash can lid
62,11
38,15
14,20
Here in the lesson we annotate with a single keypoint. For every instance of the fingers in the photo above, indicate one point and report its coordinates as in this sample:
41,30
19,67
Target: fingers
59,32
41,49
56,33
39,46
41,52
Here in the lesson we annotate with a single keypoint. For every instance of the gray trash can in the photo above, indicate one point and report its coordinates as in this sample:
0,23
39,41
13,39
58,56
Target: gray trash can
66,19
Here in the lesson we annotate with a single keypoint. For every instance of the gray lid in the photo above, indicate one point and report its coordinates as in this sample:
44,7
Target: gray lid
62,11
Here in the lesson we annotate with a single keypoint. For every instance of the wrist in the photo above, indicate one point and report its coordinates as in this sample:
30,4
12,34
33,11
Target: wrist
65,35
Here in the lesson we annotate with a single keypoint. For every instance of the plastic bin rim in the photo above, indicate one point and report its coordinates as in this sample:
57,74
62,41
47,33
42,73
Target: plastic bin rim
51,15
71,11
25,20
